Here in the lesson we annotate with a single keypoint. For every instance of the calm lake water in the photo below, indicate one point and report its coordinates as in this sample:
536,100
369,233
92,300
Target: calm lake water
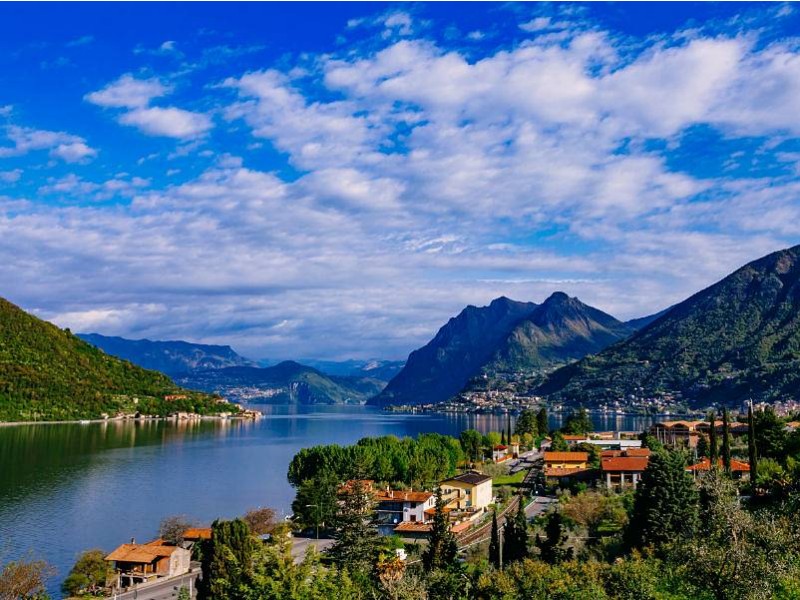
67,488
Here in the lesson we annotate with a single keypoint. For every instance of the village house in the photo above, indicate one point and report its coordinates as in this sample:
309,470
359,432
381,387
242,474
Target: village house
396,507
738,468
501,453
565,467
623,468
138,563
470,490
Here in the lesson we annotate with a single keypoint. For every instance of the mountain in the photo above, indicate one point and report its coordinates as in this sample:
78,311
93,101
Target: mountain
286,382
642,322
504,337
739,338
47,373
382,370
168,357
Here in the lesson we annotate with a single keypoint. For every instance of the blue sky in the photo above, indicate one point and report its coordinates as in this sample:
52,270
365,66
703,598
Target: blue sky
336,180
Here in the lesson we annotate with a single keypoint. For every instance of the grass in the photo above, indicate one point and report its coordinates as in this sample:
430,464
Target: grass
510,480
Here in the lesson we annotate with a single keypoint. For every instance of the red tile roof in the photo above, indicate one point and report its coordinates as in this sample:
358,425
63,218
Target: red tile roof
553,472
566,456
197,533
402,496
705,465
625,464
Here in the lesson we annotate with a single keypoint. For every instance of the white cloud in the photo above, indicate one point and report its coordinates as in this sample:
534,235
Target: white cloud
128,92
135,95
10,176
68,147
169,122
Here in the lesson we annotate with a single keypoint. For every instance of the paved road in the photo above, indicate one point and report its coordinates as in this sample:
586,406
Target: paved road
301,545
164,590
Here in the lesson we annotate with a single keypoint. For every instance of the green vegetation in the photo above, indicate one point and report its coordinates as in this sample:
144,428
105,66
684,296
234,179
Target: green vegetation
88,577
48,374
737,339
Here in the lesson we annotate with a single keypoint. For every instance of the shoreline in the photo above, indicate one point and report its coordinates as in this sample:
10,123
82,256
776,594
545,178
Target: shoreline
123,420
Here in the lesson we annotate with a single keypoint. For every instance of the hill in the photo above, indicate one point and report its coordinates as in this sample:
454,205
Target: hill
286,382
739,338
170,357
504,337
47,373
382,370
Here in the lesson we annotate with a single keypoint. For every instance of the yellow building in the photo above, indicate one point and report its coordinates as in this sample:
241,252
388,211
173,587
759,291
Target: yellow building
468,490
566,460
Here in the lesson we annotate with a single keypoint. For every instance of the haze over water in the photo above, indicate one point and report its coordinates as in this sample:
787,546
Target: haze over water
68,488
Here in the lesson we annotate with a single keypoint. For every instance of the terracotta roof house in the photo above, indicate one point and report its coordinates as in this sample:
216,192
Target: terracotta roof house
738,468
137,563
500,453
196,534
397,507
619,471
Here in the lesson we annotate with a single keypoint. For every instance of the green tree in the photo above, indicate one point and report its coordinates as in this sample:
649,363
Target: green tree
737,555
542,423
665,503
316,501
183,594
508,428
712,439
552,547
703,447
726,442
752,452
558,443
526,423
770,434
228,565
88,575
357,544
494,543
442,548
472,444
578,422
503,437
515,536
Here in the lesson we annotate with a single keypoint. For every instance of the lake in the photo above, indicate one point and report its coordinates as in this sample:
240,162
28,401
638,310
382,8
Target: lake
67,488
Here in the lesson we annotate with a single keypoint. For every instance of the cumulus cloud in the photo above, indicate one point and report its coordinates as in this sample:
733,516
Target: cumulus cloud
425,178
136,95
69,148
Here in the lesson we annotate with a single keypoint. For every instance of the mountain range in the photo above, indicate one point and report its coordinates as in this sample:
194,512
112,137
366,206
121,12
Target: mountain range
169,357
286,382
737,339
47,373
506,336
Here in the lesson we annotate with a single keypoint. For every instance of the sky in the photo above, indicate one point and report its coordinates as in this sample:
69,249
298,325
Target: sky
337,180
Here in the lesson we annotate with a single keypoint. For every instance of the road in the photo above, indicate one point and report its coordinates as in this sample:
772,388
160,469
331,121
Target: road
163,590
301,545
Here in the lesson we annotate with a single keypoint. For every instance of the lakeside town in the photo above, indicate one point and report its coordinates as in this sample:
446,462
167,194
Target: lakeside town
505,497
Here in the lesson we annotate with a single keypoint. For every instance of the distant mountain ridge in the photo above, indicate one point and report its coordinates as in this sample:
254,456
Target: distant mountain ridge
170,357
288,382
505,336
373,368
737,339
47,373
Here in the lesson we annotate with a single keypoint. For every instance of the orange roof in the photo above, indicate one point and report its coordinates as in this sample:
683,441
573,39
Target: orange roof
566,456
142,553
571,437
398,496
197,533
501,447
637,452
705,465
625,463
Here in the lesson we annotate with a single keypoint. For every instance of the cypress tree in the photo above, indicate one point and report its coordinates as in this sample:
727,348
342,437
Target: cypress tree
503,437
542,424
442,548
515,536
228,565
712,439
665,505
494,544
508,429
751,444
726,443
551,547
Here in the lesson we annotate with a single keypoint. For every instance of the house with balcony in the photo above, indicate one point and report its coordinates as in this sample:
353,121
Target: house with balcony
395,507
469,491
139,563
